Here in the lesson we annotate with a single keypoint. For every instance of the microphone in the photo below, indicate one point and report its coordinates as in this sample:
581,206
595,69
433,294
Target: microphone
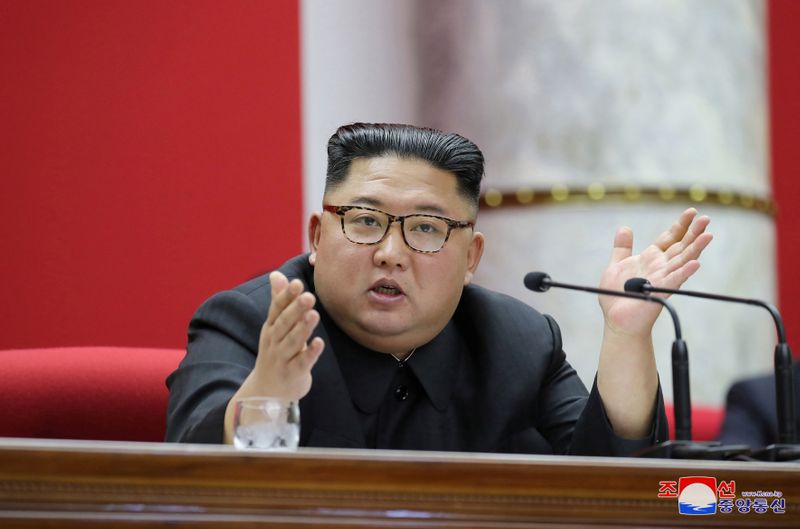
541,282
784,379
683,447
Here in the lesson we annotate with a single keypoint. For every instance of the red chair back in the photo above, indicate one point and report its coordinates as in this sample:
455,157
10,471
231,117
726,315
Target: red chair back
104,393
706,421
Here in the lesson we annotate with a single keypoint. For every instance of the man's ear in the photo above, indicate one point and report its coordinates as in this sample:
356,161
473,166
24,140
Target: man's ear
314,230
474,253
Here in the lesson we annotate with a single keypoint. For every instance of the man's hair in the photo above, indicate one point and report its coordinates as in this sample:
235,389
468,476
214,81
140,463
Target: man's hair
444,150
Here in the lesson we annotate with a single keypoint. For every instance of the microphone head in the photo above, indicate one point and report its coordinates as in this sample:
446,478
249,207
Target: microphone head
637,284
537,281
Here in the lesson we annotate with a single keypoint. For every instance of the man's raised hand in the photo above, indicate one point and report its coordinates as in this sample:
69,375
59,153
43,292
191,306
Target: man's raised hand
285,356
668,262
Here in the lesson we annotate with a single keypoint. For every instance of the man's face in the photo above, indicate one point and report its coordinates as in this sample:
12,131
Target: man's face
348,276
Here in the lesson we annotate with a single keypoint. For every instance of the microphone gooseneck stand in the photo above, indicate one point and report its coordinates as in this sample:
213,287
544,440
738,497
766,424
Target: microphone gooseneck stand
787,448
682,447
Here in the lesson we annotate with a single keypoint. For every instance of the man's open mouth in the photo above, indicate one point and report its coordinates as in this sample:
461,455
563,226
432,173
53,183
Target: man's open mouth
387,287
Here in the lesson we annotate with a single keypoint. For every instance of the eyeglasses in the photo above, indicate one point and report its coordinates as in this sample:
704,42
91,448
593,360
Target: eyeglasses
421,233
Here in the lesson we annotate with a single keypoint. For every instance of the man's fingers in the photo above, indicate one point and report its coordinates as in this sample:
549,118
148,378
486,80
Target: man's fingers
277,285
306,358
678,277
290,307
294,340
697,228
623,245
299,308
285,356
283,293
676,232
277,282
690,252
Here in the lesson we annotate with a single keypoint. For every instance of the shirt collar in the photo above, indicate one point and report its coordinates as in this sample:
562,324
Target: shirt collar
436,365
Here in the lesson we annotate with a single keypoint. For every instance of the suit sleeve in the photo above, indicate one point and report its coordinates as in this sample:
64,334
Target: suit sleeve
221,352
576,423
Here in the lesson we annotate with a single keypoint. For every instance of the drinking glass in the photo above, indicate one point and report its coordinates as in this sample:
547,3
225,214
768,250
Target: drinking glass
266,422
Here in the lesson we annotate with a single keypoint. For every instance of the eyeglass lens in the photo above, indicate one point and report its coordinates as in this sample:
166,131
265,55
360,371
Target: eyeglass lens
423,233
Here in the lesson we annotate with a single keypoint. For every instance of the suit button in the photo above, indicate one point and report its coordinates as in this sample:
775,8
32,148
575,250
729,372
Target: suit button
401,392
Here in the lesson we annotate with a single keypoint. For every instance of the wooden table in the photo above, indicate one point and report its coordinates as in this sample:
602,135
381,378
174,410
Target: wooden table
46,483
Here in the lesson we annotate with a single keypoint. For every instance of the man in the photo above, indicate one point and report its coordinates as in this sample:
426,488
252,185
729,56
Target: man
415,356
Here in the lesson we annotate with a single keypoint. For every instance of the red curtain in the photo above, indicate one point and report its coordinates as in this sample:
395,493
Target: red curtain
150,155
784,94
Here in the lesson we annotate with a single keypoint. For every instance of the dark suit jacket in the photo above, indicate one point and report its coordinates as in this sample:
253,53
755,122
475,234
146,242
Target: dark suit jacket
750,414
531,400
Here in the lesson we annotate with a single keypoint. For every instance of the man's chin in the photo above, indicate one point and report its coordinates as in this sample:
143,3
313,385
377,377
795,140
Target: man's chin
387,329
385,335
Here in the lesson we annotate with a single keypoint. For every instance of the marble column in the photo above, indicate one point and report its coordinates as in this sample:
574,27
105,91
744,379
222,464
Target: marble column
619,112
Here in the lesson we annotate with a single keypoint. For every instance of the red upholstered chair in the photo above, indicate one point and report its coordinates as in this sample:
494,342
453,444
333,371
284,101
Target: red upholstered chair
104,393
706,421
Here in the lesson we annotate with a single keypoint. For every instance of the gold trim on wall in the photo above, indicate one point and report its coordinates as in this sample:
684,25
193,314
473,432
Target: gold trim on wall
598,192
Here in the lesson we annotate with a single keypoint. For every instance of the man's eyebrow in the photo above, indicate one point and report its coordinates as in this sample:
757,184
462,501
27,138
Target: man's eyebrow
366,201
430,208
372,202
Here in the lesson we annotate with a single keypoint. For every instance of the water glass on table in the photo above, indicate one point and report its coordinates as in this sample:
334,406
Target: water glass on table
269,423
